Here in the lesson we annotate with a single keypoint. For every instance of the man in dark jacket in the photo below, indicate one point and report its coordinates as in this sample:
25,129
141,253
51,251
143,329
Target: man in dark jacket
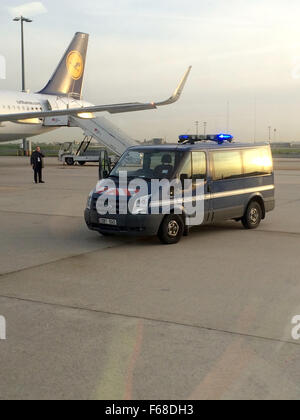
37,165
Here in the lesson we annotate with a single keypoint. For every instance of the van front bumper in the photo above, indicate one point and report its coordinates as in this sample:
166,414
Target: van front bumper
134,225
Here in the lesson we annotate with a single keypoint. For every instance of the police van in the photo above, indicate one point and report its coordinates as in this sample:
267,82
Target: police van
237,184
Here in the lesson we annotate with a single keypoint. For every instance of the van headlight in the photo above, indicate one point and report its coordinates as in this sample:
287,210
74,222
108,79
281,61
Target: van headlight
89,200
141,205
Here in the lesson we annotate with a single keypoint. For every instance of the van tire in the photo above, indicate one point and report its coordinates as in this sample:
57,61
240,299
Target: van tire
253,215
82,163
171,230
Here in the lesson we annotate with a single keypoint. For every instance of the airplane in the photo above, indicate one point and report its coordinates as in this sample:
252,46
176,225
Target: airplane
28,115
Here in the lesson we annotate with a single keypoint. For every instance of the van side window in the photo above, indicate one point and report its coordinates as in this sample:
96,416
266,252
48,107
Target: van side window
187,166
227,164
257,162
199,165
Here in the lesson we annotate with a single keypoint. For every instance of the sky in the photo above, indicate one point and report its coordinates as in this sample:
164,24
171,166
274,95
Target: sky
245,57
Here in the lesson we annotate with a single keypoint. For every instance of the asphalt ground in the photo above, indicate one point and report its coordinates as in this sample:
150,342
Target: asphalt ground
89,317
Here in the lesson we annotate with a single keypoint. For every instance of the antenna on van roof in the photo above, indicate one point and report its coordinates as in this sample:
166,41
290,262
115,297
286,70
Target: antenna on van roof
218,138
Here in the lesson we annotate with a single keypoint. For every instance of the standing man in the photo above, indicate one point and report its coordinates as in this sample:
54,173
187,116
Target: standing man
37,165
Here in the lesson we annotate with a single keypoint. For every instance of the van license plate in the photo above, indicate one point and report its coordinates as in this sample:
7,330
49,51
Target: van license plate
110,222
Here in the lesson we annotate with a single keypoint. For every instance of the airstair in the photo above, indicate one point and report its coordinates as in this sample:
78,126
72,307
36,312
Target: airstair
106,133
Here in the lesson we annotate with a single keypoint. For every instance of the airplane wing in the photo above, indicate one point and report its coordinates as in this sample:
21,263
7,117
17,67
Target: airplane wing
112,109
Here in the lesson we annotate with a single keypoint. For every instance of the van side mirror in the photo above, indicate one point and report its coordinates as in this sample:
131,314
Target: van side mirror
104,165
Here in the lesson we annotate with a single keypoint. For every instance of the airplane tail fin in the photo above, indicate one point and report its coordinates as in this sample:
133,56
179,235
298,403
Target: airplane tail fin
68,77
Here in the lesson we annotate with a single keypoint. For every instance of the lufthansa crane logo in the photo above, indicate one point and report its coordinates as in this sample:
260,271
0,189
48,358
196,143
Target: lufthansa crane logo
75,65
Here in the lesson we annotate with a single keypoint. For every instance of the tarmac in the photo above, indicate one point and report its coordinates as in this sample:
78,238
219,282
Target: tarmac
91,317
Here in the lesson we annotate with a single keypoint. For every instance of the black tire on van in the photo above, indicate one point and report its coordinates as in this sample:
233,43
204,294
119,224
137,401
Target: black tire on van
81,163
253,215
171,229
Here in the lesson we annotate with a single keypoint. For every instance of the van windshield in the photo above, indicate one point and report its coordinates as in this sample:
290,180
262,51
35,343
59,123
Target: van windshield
152,164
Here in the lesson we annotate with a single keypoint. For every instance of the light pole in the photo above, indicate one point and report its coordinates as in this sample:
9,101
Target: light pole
22,19
204,126
270,128
197,127
275,132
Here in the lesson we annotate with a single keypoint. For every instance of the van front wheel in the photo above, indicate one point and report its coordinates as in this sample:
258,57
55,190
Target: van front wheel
171,229
253,216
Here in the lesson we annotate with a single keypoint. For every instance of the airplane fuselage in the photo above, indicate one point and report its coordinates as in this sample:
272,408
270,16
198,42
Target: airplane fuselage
19,102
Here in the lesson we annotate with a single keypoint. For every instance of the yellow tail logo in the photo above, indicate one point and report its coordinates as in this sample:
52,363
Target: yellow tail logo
74,64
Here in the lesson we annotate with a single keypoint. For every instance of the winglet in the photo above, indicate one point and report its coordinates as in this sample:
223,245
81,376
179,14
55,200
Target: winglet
177,94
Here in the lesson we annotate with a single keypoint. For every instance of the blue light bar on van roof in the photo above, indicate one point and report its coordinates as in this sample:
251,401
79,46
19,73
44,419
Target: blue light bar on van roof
223,137
185,137
218,138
